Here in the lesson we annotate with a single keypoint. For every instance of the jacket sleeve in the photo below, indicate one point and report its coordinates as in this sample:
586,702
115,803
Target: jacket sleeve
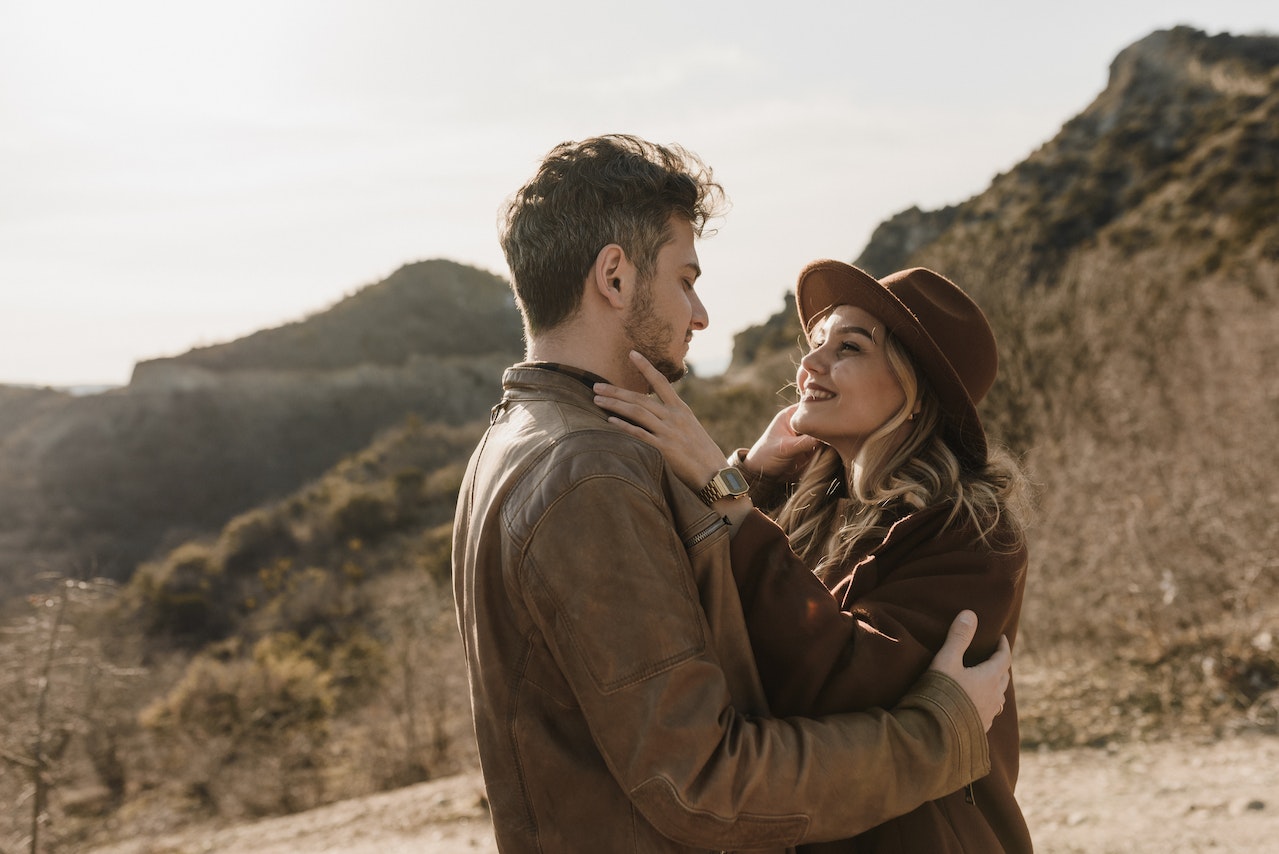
767,492
617,606
862,644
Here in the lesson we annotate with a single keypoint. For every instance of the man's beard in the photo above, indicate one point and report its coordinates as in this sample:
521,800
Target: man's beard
650,337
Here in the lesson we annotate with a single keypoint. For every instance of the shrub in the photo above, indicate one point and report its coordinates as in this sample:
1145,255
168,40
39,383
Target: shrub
277,690
182,596
355,663
408,486
364,516
437,552
311,599
253,540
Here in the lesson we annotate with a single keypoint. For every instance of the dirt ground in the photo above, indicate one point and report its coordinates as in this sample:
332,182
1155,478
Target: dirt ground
1179,796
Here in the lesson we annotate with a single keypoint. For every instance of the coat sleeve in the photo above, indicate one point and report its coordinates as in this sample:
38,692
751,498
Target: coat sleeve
616,605
863,643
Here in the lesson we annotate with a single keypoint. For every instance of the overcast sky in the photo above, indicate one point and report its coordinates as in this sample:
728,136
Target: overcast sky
177,173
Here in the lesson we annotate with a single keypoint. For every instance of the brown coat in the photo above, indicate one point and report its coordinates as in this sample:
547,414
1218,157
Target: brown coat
616,702
862,647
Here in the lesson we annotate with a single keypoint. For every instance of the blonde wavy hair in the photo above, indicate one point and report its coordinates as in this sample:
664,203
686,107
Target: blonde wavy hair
839,511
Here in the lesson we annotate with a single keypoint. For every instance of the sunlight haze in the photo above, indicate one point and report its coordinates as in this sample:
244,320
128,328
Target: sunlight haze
176,174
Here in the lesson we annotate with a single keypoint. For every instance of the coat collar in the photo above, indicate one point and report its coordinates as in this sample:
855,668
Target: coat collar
910,530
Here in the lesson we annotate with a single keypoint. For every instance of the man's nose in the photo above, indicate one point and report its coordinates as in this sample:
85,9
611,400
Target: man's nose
700,318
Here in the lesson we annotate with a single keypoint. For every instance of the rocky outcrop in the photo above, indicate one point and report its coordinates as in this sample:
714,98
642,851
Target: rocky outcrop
1185,123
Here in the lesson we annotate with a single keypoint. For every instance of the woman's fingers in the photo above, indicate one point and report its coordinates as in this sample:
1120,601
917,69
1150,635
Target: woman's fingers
638,432
654,377
661,386
643,409
636,408
618,401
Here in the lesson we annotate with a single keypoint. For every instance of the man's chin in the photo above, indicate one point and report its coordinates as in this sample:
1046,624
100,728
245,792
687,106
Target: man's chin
673,371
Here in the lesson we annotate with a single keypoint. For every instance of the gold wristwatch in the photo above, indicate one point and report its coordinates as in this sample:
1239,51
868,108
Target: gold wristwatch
727,482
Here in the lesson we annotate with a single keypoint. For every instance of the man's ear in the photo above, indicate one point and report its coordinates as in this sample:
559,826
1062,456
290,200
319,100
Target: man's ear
612,275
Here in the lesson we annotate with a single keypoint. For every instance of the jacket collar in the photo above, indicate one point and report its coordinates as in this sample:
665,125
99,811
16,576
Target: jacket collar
911,529
547,381
585,377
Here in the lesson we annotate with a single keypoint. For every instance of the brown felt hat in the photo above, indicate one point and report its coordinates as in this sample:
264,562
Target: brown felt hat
944,331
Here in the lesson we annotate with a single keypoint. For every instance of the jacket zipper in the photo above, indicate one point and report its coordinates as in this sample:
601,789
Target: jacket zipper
969,797
705,532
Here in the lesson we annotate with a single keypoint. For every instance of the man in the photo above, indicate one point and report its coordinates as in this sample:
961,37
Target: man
617,706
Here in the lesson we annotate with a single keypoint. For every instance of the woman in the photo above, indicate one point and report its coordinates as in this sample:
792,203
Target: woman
894,499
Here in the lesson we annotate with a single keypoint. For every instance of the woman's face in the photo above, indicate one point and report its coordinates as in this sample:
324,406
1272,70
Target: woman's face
847,390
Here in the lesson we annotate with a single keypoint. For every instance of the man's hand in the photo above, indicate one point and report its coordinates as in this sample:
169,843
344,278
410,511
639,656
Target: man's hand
984,684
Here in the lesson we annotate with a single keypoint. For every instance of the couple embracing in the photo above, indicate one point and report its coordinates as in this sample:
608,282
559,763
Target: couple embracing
673,651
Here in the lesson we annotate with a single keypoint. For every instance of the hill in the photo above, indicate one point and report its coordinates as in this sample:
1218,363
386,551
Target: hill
1176,155
286,638
98,483
1130,267
430,309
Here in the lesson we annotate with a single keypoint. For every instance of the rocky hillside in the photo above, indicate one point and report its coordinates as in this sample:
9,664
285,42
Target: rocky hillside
96,484
1174,169
1179,149
288,639
1130,267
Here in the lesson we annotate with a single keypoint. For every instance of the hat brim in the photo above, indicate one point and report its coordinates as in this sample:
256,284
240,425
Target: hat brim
826,284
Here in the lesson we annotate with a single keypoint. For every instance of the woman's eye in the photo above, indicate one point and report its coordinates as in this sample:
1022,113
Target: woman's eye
849,346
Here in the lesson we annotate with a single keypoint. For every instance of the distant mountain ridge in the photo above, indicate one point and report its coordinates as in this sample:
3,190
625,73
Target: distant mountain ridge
431,308
103,480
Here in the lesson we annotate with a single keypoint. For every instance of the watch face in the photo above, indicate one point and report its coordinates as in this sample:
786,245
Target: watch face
734,481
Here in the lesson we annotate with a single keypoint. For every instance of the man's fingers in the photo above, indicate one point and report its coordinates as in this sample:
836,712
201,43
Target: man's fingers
984,683
1003,652
960,635
1003,659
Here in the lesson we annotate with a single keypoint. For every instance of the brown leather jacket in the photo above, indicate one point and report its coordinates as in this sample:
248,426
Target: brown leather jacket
866,644
617,705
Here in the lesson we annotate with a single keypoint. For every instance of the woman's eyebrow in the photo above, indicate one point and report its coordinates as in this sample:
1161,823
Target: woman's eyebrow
856,330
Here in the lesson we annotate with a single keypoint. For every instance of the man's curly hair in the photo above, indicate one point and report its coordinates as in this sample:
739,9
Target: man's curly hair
607,189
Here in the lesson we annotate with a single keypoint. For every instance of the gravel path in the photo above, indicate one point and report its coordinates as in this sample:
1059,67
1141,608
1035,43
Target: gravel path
1168,797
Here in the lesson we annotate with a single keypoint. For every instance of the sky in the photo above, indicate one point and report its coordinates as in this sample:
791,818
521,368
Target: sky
177,174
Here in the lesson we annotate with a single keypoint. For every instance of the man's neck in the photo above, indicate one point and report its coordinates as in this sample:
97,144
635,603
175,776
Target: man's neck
583,354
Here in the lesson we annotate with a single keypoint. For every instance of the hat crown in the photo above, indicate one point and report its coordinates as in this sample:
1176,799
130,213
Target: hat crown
954,322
